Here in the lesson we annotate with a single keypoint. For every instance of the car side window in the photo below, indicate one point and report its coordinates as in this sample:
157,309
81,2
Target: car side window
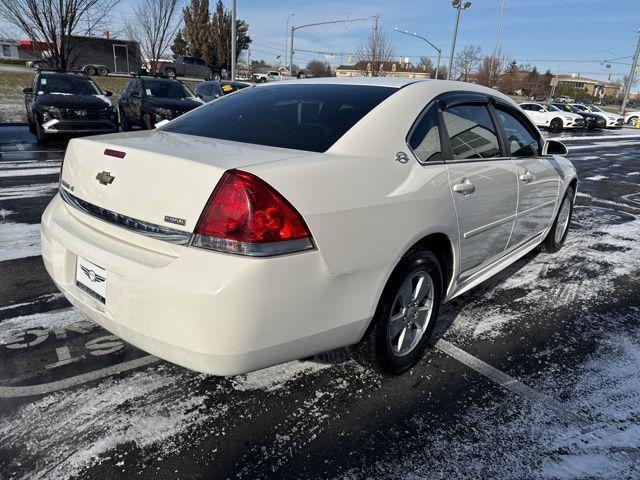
425,138
535,108
522,142
471,131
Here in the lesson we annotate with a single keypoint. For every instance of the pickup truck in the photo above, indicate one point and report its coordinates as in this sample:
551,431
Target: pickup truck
271,76
196,67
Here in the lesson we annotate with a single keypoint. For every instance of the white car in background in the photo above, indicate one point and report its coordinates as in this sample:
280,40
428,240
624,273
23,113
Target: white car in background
549,116
631,118
613,119
291,219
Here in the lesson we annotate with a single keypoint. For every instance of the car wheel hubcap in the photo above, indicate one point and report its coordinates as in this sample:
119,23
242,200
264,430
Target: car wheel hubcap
410,313
563,219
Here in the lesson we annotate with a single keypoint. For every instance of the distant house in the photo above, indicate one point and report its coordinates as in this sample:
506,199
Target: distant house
9,48
383,69
595,88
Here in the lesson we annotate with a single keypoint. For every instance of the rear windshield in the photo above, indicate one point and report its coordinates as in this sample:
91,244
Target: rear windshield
308,117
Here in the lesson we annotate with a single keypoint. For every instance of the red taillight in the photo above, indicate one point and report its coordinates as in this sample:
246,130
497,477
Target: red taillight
246,215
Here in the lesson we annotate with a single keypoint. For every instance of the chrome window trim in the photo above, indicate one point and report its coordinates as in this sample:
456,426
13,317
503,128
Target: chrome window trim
152,230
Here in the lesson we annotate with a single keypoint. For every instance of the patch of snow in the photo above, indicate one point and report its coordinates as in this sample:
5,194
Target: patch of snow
597,177
25,172
28,191
19,240
274,378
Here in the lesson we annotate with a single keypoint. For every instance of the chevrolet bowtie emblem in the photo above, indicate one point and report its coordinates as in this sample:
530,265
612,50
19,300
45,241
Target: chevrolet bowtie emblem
105,178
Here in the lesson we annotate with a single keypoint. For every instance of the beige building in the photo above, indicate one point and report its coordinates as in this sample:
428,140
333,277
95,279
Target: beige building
595,88
384,69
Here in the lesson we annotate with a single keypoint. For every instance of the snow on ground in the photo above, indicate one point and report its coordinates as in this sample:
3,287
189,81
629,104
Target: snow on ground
597,177
509,438
19,240
28,191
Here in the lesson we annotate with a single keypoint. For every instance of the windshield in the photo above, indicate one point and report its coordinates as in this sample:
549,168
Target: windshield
593,108
166,89
308,117
552,108
582,108
566,108
67,85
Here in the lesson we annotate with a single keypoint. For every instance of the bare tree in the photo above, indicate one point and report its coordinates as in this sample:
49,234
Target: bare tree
490,69
466,61
426,65
317,68
376,50
54,21
153,24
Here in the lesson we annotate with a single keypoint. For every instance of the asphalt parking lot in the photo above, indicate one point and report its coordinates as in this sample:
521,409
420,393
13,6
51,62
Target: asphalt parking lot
536,374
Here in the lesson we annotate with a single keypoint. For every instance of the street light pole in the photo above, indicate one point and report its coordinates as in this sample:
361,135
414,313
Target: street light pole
422,38
294,28
459,6
495,46
233,40
632,74
286,39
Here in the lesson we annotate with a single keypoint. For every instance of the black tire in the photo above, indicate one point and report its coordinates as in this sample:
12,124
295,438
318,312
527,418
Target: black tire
103,71
632,121
146,122
554,240
123,121
556,124
32,128
90,71
375,350
216,77
170,72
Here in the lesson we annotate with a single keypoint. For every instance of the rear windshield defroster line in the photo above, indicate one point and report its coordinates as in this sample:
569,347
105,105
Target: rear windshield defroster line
309,117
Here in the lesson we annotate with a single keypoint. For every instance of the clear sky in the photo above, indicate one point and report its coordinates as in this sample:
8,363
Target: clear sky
566,36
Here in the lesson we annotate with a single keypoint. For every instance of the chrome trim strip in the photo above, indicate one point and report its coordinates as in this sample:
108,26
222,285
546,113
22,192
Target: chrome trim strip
473,233
159,232
484,228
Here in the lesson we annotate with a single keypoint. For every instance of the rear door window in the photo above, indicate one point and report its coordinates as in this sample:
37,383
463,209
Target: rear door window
471,131
308,117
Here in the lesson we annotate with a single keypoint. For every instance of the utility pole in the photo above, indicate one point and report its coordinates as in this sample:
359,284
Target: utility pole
632,75
495,46
233,40
459,6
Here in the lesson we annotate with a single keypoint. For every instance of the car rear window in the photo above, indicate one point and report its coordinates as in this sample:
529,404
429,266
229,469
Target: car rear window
308,117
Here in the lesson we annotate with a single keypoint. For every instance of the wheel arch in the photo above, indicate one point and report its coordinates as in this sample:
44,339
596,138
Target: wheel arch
442,247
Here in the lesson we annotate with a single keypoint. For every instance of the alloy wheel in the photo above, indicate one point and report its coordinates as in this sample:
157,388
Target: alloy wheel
411,313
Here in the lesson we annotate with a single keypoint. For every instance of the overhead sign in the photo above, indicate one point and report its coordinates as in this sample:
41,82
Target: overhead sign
554,82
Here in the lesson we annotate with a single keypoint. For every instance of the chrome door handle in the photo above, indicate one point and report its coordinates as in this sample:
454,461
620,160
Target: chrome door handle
526,177
465,187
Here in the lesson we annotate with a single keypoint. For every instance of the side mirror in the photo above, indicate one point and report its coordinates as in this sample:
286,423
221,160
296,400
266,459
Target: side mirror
554,147
27,91
108,93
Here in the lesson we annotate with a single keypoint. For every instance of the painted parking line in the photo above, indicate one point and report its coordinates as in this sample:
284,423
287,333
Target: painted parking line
509,383
44,388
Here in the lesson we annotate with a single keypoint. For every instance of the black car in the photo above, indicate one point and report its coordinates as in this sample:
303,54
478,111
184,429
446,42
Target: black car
208,91
591,119
146,101
68,103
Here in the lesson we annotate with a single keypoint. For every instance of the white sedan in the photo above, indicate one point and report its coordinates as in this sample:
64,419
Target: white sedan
631,118
298,217
613,119
549,116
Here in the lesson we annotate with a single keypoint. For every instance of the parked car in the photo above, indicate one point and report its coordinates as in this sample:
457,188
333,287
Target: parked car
631,118
563,99
291,219
146,66
210,90
548,116
592,120
272,76
195,67
146,101
613,119
67,103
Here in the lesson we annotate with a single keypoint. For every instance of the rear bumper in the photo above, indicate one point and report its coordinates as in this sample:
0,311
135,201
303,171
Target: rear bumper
211,312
